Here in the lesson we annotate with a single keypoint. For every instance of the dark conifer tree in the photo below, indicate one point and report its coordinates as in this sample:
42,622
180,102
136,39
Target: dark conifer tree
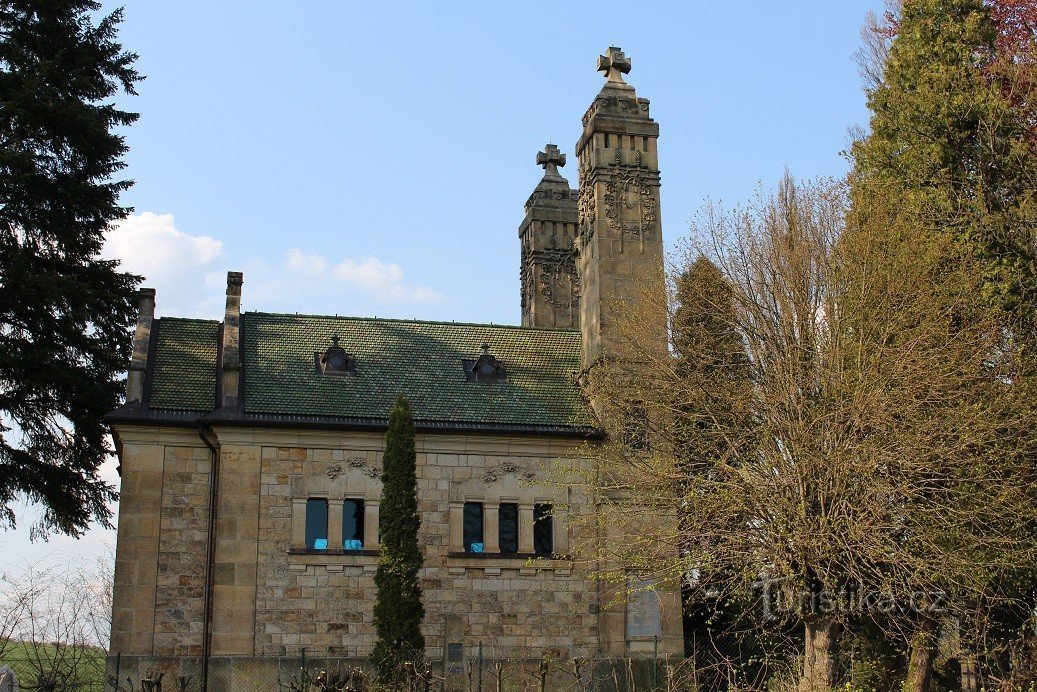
65,314
398,611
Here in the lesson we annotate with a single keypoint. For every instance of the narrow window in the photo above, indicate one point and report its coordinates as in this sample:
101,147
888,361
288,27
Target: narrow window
508,527
317,524
644,143
353,524
473,537
606,140
543,530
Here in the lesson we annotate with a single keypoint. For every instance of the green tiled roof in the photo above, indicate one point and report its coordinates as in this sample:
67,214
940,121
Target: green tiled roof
184,371
419,359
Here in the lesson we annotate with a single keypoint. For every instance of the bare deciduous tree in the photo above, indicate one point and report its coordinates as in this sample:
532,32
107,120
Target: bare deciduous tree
862,435
57,622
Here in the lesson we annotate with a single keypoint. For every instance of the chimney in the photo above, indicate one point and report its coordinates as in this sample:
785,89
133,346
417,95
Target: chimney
231,362
141,340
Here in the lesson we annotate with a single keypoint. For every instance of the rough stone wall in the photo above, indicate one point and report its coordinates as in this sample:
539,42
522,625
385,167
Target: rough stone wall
160,553
179,596
325,603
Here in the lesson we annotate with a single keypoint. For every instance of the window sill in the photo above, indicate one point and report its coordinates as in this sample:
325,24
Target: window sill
330,551
301,559
492,563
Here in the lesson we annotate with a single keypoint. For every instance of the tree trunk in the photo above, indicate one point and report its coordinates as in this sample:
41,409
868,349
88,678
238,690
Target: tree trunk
923,651
820,635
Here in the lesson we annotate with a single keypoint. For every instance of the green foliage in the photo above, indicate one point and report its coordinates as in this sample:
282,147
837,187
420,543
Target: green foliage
65,314
951,145
398,611
950,142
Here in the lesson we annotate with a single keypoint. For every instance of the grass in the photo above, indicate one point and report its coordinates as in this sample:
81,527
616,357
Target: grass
27,660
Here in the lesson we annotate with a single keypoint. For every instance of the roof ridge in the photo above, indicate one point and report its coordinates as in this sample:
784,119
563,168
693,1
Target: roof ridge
198,320
404,320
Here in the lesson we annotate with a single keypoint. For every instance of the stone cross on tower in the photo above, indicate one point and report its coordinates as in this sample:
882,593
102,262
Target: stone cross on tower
614,64
551,158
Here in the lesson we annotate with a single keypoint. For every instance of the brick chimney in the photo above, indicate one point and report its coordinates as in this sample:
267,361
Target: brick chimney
141,341
231,353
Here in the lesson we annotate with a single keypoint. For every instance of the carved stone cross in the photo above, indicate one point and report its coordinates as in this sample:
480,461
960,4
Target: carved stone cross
550,158
614,64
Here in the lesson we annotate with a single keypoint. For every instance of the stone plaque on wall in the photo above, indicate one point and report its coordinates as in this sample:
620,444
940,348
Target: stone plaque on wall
643,616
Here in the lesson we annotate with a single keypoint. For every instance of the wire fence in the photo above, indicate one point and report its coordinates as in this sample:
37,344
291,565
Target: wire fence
304,673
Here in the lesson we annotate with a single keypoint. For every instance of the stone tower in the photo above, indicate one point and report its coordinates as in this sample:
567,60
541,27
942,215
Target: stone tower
550,288
620,246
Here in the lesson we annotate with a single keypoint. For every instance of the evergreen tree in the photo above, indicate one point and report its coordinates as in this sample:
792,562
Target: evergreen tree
65,314
952,142
398,611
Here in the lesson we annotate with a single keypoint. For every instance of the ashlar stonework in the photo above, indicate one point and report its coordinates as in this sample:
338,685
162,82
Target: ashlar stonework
250,453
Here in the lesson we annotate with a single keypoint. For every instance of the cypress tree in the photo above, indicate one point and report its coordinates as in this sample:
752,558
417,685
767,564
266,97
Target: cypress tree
398,611
65,314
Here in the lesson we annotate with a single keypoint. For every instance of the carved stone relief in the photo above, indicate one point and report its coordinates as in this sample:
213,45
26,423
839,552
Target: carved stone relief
336,470
630,203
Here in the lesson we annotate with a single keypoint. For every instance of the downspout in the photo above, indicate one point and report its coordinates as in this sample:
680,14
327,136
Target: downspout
205,432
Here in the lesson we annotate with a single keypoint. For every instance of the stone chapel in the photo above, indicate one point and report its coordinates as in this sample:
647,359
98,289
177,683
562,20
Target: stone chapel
250,451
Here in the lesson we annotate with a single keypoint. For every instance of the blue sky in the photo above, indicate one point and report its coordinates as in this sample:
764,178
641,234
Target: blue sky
374,158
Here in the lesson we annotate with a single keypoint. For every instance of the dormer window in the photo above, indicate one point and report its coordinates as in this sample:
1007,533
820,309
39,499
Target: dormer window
485,368
335,360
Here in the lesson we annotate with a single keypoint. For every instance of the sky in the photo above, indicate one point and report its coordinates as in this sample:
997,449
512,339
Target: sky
373,159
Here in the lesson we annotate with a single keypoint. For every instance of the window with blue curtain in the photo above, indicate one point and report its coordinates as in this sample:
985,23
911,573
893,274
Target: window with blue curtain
353,525
473,530
543,530
317,524
508,527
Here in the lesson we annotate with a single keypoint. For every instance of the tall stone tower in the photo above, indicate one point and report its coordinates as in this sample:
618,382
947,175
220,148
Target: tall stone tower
550,288
620,245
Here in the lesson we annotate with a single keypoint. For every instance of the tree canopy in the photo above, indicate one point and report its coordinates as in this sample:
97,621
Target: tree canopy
65,314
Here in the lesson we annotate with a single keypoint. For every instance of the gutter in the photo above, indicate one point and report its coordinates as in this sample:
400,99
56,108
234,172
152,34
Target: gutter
209,439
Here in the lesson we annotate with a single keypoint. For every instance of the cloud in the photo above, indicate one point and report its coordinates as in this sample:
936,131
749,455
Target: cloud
379,280
189,273
173,262
151,245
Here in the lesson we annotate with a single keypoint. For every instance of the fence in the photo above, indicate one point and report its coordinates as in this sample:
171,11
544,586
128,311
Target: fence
304,673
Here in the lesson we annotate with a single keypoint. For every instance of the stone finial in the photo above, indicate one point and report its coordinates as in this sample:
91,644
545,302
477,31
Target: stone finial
614,64
550,158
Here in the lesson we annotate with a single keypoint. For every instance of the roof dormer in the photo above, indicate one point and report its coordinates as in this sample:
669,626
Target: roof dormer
335,360
486,368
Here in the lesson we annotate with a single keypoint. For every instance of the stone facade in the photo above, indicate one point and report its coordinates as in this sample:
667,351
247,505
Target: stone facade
216,571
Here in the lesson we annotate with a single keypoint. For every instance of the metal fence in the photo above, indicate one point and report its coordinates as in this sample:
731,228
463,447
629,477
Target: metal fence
304,673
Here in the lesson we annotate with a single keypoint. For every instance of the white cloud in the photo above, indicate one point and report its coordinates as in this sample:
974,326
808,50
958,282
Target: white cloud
382,281
189,274
151,245
176,264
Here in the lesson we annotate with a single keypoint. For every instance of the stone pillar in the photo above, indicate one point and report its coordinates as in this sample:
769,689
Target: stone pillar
136,559
335,523
491,527
237,548
370,525
299,523
560,529
456,527
141,345
231,351
525,528
620,245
